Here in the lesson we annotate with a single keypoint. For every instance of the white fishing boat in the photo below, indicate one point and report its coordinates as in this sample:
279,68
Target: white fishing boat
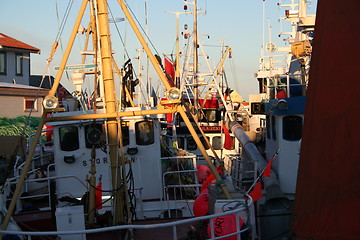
109,176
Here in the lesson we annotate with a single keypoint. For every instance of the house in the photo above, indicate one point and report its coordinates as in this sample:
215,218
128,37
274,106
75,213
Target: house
17,96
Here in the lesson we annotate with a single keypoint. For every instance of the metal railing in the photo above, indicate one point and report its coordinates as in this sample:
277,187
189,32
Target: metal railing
250,227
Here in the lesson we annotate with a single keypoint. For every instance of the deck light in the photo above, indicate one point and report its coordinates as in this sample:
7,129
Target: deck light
282,105
173,94
50,102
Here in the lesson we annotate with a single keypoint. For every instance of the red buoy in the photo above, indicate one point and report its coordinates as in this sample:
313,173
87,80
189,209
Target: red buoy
202,173
201,204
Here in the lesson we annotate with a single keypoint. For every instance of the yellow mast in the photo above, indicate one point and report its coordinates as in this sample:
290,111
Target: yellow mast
110,104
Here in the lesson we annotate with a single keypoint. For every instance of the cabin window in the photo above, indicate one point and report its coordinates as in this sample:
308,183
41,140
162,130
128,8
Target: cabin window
69,138
19,64
292,128
233,143
273,127
191,144
3,63
211,115
216,142
144,133
181,142
268,132
125,135
204,143
30,104
93,135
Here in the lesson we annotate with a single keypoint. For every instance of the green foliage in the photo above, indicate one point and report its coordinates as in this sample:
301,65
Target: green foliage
15,126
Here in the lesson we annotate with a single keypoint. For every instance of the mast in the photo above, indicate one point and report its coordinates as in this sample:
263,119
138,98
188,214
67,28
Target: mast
177,61
196,70
110,103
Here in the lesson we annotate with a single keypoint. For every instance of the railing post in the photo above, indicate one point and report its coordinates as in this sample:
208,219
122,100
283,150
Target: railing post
174,232
238,227
212,230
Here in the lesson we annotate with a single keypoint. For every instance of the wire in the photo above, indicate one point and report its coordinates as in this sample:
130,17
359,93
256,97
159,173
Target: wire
142,29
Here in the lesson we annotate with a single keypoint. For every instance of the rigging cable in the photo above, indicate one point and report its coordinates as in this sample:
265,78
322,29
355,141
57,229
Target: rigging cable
124,45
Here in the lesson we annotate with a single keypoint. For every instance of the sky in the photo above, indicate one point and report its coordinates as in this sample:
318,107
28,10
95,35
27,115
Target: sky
237,23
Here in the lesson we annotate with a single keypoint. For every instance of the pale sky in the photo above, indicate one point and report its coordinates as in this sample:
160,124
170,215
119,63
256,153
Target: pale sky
239,22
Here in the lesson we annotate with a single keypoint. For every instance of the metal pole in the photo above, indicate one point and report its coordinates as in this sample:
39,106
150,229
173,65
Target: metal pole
196,70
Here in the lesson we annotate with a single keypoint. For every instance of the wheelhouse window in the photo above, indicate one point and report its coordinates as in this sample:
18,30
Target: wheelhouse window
216,142
19,64
268,132
93,135
144,133
30,104
204,143
69,138
125,135
273,127
181,142
191,144
292,128
233,143
3,63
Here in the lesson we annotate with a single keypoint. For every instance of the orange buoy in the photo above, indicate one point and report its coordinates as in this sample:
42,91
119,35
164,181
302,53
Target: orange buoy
225,225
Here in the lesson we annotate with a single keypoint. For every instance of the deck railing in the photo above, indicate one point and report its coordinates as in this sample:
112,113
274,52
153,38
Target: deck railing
214,233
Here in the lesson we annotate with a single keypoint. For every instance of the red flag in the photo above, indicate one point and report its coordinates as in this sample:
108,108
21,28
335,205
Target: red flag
210,179
267,170
228,144
98,196
256,193
170,70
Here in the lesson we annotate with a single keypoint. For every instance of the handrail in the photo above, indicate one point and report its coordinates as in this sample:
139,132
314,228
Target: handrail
147,226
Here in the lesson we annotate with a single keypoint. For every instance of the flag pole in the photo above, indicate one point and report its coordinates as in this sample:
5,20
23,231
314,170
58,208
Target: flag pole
257,179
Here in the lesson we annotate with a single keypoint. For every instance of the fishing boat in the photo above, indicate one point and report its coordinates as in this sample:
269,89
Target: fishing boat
111,175
283,78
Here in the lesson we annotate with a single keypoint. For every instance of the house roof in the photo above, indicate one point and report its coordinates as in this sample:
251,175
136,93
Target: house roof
9,42
10,89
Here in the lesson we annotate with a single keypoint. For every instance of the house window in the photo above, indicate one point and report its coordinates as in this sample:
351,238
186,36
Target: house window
30,104
3,63
19,64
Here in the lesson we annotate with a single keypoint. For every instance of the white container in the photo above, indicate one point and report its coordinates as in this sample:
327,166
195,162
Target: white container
70,219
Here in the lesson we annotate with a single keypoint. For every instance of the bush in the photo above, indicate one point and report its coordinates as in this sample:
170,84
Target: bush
15,126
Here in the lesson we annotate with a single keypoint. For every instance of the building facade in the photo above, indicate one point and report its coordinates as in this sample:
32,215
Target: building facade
17,97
